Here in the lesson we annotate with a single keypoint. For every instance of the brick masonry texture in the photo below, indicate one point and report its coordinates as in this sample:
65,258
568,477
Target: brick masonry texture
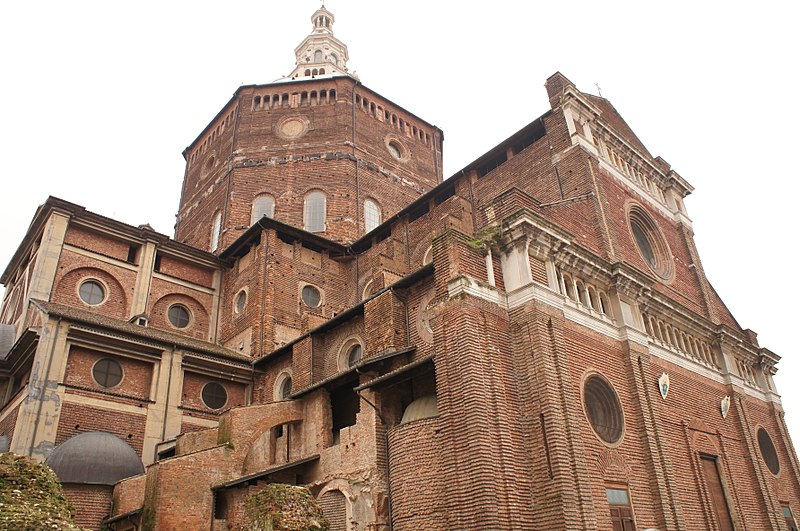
459,299
94,502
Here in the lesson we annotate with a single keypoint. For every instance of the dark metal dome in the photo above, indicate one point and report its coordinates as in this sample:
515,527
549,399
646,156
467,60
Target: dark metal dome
95,458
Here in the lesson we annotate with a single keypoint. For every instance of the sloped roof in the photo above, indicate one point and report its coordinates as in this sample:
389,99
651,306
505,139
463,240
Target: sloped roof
118,325
614,119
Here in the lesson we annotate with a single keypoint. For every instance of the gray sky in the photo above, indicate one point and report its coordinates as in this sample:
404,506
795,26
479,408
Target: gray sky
99,99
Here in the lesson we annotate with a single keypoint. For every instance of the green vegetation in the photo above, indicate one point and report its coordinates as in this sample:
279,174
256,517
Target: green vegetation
282,507
31,497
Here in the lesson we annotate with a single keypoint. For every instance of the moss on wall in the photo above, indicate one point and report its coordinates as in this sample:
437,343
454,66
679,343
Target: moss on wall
281,507
31,497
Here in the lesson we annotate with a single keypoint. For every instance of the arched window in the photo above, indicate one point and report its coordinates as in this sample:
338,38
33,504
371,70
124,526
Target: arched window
334,59
314,212
354,355
318,57
372,215
215,228
263,205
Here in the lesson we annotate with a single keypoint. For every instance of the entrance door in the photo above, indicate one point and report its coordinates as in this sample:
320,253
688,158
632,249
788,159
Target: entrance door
718,500
621,513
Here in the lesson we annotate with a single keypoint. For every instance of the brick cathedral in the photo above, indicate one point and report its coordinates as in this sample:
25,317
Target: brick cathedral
530,343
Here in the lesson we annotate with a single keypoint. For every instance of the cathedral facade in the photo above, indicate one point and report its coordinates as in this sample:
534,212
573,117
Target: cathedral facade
530,343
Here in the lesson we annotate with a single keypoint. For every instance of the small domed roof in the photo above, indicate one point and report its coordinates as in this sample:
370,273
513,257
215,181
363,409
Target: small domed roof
94,458
421,408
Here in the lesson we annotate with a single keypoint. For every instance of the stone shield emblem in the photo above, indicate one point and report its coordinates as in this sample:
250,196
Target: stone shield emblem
663,385
725,405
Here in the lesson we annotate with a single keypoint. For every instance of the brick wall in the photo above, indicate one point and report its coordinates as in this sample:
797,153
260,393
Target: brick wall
183,270
94,502
117,282
136,375
163,295
419,484
193,384
79,418
99,243
8,424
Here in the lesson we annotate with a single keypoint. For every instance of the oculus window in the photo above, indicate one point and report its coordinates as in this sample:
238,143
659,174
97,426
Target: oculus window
286,388
178,316
603,409
241,302
768,452
354,355
311,296
650,242
214,395
91,292
107,372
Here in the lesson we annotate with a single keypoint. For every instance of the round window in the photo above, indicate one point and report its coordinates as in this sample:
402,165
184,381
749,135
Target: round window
311,296
354,355
603,409
286,388
768,452
214,395
395,149
178,315
92,292
107,372
651,244
241,301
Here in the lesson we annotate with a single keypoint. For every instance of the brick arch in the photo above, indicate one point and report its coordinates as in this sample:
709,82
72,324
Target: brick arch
705,443
116,301
259,443
334,506
198,326
419,252
613,467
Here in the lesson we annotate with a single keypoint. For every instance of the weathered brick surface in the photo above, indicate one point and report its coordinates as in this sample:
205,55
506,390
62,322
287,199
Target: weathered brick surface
512,447
97,243
75,419
418,479
193,384
94,502
185,270
165,294
136,375
8,424
116,281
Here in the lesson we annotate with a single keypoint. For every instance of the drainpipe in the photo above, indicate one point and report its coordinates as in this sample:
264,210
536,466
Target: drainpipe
264,281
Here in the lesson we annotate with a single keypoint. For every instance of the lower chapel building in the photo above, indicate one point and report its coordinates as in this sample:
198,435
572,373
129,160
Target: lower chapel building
531,343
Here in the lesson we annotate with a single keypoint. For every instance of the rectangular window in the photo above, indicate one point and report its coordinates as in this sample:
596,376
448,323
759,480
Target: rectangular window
621,512
789,517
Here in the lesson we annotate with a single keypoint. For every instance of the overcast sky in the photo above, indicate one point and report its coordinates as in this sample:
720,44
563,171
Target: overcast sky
99,99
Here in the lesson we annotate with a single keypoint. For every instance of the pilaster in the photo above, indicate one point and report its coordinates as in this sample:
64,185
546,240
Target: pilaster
163,416
144,276
47,258
38,416
663,474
